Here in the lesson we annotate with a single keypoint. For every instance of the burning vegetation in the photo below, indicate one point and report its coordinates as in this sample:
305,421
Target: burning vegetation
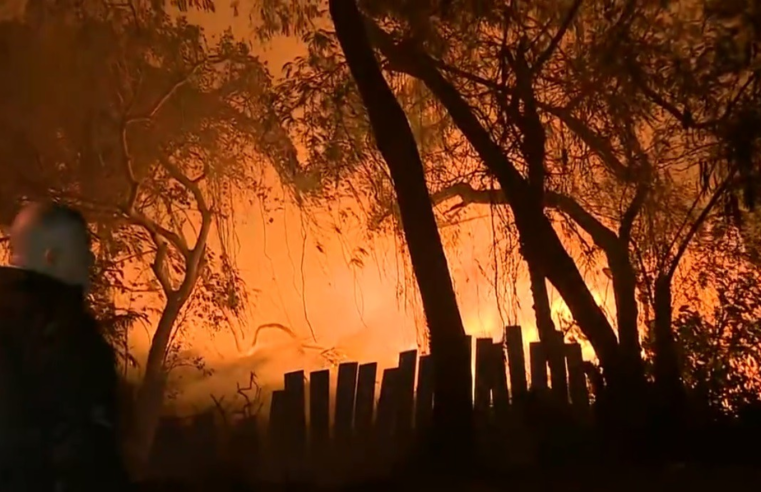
592,166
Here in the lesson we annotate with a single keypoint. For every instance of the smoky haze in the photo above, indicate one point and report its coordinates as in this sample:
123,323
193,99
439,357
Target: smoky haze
323,290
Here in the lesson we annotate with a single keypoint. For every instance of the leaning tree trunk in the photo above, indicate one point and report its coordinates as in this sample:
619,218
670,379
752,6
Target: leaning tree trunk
452,412
150,394
540,242
543,312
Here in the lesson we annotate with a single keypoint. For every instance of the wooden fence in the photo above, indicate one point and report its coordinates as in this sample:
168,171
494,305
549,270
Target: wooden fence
365,426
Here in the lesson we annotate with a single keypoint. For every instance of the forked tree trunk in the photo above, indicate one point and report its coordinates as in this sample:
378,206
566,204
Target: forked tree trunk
149,397
452,412
150,394
540,241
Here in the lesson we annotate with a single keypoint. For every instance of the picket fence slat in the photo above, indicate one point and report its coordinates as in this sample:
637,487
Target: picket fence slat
405,386
319,411
403,406
424,396
365,405
346,389
516,361
558,374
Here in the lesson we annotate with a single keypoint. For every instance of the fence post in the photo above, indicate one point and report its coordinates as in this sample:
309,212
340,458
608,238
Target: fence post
538,368
516,360
405,385
424,394
500,396
363,410
319,413
276,444
556,360
576,377
385,424
484,380
346,389
296,428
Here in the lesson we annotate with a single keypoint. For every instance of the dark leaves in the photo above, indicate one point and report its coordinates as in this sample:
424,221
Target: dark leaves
720,331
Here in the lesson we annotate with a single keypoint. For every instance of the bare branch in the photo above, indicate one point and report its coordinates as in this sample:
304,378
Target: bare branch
555,42
593,140
469,195
190,184
159,267
157,230
627,221
147,116
144,118
698,223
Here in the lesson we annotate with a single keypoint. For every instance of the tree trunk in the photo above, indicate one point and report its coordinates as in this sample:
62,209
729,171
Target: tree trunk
542,311
670,399
627,312
452,412
150,394
667,369
539,240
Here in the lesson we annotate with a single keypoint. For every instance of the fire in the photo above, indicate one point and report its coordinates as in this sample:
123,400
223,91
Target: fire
307,282
563,318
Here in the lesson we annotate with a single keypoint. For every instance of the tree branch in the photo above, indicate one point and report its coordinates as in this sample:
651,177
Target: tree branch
699,221
147,116
155,229
592,139
159,264
555,42
193,260
190,184
627,221
603,237
469,195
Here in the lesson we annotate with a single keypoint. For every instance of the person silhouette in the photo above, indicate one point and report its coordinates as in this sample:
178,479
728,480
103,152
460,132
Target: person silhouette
58,374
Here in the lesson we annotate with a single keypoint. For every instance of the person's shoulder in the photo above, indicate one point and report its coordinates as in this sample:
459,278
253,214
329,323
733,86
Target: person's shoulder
19,302
15,283
88,348
92,332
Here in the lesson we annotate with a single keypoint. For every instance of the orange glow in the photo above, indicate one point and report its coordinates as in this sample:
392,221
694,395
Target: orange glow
364,314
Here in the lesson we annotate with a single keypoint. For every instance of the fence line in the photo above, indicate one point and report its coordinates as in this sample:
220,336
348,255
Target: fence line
363,423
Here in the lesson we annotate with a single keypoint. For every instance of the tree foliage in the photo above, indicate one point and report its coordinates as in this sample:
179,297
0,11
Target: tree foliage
719,329
157,133
618,110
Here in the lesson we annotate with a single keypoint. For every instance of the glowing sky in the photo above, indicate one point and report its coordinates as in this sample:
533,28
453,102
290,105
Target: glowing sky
358,310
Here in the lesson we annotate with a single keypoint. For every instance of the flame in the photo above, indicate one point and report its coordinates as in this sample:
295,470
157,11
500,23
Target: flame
307,283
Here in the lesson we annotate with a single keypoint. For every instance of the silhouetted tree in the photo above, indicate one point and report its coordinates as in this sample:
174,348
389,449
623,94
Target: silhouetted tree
154,132
452,419
697,63
718,329
616,115
416,47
